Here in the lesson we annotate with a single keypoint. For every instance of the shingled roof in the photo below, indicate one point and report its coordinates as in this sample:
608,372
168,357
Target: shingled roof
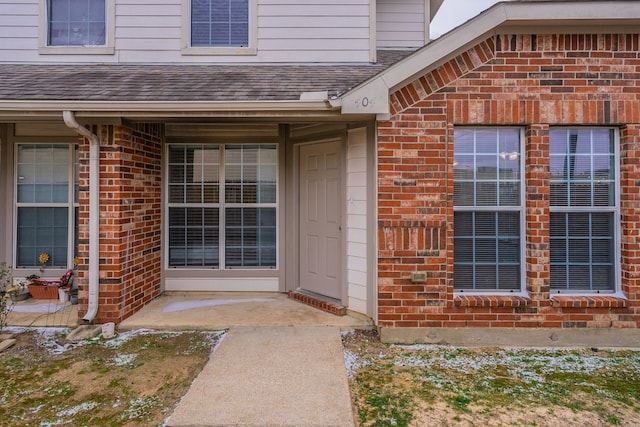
253,82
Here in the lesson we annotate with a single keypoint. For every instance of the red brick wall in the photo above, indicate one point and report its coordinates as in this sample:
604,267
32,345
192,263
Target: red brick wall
130,220
532,81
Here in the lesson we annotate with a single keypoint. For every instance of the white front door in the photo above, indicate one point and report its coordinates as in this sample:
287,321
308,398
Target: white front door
320,218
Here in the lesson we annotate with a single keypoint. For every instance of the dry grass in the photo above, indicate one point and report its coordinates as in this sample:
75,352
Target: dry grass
448,386
134,380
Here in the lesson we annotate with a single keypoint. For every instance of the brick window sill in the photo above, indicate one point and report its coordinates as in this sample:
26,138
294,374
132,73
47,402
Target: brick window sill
490,301
599,301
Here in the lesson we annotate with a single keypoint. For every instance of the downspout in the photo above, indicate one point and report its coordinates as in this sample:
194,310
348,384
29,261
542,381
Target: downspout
94,211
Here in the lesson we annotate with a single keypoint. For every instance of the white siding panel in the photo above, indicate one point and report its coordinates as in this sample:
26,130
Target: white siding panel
315,44
151,44
16,8
134,8
357,261
18,29
146,21
400,23
338,22
151,31
148,33
319,10
17,32
313,33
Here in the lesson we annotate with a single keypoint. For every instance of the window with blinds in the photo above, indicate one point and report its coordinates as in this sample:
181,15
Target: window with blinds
47,203
219,23
222,209
487,210
583,209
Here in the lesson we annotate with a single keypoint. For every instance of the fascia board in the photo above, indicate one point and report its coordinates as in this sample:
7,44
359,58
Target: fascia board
164,107
512,16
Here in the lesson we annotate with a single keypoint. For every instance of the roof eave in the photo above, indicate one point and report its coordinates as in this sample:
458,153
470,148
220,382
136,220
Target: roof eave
167,109
372,96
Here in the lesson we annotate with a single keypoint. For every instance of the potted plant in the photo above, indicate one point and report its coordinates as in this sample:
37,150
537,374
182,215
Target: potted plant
18,292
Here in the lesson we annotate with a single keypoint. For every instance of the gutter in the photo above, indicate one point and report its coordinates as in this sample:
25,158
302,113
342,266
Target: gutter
94,211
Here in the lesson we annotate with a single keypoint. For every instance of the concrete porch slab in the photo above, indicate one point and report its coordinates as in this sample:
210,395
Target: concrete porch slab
222,310
43,313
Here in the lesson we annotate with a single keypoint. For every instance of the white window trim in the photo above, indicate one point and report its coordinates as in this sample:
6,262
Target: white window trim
222,269
187,49
523,236
71,205
43,35
617,225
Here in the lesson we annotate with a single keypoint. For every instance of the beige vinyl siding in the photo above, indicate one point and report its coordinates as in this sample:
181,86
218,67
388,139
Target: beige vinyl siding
356,206
328,31
151,31
18,29
400,23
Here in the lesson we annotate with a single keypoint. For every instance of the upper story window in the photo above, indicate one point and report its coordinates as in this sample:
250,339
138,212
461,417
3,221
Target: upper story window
220,23
220,27
77,26
77,23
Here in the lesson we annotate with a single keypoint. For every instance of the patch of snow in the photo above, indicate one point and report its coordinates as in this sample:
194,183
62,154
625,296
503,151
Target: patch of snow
51,423
86,406
124,359
140,407
39,308
353,362
189,305
124,337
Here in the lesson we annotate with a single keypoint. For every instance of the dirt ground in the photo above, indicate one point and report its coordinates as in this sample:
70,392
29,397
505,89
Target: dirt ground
138,378
445,386
133,380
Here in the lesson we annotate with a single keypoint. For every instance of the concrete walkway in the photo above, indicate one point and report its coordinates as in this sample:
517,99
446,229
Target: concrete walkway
280,363
271,376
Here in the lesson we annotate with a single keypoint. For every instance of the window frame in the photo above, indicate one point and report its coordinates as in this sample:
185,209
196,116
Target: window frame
72,204
616,291
222,206
520,209
188,49
108,48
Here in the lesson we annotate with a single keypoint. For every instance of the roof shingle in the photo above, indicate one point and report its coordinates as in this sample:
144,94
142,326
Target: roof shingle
155,82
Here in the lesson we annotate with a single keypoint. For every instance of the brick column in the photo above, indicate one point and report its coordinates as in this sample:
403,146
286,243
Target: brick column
630,216
537,211
130,220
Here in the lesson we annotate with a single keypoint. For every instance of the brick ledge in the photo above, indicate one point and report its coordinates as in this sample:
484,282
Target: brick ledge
576,301
319,303
491,301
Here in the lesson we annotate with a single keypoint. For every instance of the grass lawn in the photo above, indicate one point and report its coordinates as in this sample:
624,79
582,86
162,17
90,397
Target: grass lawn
426,385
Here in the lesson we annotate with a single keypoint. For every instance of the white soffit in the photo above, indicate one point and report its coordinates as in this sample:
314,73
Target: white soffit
372,96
